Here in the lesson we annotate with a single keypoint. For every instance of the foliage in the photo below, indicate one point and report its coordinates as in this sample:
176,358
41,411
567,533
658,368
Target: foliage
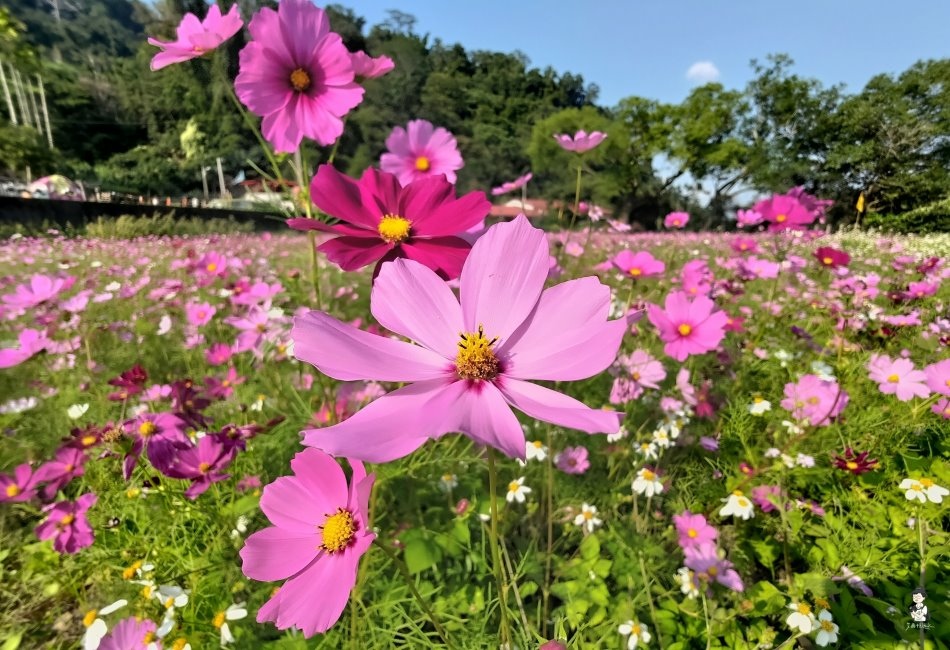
933,217
128,227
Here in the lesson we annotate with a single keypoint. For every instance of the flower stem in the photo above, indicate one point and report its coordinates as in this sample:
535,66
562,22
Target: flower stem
404,570
504,632
549,511
646,588
577,204
706,616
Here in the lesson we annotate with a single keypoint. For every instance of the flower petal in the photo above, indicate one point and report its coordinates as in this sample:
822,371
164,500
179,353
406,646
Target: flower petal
444,255
274,554
557,408
479,411
314,600
339,196
352,253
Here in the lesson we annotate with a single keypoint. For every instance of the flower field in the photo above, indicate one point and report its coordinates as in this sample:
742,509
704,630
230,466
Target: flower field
767,466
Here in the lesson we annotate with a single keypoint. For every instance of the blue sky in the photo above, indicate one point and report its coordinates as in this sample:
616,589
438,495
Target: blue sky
633,47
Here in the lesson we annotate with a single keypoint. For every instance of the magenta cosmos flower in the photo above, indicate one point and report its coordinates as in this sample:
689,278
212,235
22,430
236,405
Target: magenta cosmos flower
709,567
384,220
367,67
784,212
318,535
197,37
420,151
897,377
40,289
693,530
832,257
131,634
31,342
297,75
638,265
66,524
471,362
688,327
676,220
581,141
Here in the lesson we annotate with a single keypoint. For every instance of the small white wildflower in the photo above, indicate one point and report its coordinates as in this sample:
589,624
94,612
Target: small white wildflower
620,435
535,450
801,618
635,632
647,483
448,482
587,518
922,490
737,505
517,491
684,578
827,630
759,406
648,450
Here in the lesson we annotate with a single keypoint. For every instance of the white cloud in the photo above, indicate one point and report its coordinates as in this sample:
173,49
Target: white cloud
702,72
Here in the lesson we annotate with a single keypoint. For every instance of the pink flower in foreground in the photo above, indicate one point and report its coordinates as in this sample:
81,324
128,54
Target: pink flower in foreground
40,289
688,327
511,186
420,151
693,530
131,634
638,265
897,377
785,212
938,377
676,220
31,342
318,535
814,400
385,221
573,460
367,67
512,330
709,567
581,141
65,466
19,487
197,37
66,523
297,75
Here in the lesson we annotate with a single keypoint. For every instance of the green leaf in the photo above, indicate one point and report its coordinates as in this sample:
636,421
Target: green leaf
12,642
420,552
590,548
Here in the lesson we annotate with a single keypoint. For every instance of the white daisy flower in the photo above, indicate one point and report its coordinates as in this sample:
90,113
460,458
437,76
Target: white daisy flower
448,482
647,483
801,618
759,406
517,491
96,628
635,632
923,490
684,578
620,435
234,612
648,450
587,518
737,505
827,630
535,450
662,438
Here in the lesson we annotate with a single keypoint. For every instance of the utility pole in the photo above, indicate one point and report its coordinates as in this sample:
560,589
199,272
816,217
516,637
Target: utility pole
6,94
49,132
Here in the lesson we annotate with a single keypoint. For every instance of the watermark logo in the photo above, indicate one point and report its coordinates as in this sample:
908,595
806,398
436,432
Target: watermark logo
920,619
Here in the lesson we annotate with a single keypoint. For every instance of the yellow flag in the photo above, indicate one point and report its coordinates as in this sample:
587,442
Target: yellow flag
860,204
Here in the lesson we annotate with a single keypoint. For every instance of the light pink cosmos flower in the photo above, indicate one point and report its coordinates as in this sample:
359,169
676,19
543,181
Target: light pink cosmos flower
693,530
511,186
814,400
676,220
635,372
573,460
297,75
199,313
419,151
748,218
897,377
319,533
367,67
131,633
938,377
66,524
638,265
511,330
688,327
31,342
581,141
197,37
40,289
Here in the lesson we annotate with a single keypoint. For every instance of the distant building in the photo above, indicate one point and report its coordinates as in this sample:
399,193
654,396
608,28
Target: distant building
532,208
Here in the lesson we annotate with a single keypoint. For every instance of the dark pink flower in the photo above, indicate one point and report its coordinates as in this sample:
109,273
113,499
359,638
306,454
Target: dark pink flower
197,37
580,141
688,327
67,525
384,220
202,464
19,487
297,75
65,466
160,435
573,460
320,530
218,354
421,151
784,212
832,257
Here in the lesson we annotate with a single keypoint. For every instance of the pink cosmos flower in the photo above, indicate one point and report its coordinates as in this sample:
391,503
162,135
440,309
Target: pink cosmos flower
748,218
67,525
764,497
695,278
581,141
385,221
218,354
573,460
688,327
897,377
160,435
130,634
676,220
938,377
297,75
65,466
202,464
635,372
832,257
638,265
40,289
197,37
814,400
31,342
421,151
745,245
754,267
199,314
319,533
942,408
693,530
511,330
367,67
19,487
709,567
511,186
785,212
917,290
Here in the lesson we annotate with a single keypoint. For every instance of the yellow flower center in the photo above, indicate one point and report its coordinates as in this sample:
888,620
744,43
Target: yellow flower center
803,608
676,222
743,502
66,521
947,383
636,375
130,571
926,482
743,246
828,626
446,477
88,441
169,602
827,260
635,272
713,571
147,428
89,618
691,533
212,267
822,603
423,164
588,515
394,228
12,490
147,592
219,620
636,629
893,379
684,329
180,643
338,531
149,637
758,399
813,400
204,467
780,218
537,444
737,493
851,464
475,358
299,80
648,475
513,486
